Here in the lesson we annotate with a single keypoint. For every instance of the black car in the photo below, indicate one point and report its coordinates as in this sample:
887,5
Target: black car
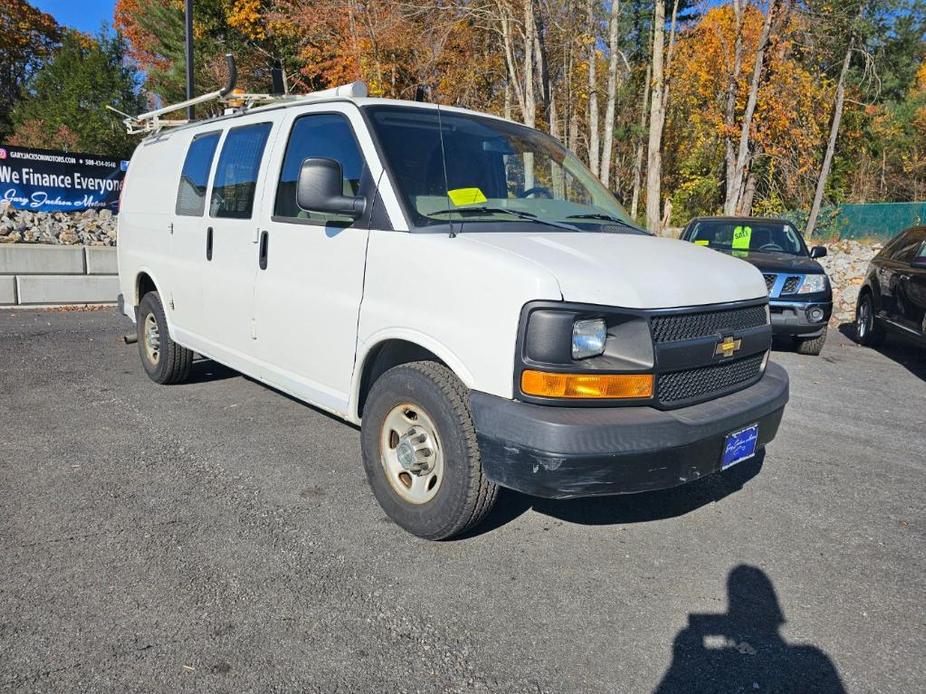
893,296
800,296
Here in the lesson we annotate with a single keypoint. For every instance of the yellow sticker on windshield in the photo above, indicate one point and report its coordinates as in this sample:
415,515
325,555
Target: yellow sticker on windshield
466,196
741,237
702,242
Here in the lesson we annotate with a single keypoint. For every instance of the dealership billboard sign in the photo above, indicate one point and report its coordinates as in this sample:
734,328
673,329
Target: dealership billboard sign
45,180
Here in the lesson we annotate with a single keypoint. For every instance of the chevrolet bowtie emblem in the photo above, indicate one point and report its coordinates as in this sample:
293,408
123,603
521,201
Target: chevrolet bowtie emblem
727,347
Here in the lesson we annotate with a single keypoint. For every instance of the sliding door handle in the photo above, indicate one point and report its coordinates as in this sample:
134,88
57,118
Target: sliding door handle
262,255
209,243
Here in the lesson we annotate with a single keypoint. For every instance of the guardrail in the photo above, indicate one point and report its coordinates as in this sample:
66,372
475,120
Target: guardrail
40,275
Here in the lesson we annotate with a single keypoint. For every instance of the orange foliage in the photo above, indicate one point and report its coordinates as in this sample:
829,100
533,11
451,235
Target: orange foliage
793,105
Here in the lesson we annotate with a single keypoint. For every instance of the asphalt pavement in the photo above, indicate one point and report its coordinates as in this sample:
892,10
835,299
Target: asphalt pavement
220,536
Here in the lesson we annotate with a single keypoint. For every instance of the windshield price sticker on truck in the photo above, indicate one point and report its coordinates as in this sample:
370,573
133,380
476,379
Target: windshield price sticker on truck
466,196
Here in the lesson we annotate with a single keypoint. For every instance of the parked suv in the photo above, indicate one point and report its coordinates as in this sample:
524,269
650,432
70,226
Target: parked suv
800,295
459,285
893,296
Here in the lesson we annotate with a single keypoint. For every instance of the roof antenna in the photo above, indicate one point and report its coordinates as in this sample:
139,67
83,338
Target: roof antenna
443,158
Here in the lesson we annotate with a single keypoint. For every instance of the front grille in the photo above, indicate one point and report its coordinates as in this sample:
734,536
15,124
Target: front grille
770,280
707,381
791,284
690,326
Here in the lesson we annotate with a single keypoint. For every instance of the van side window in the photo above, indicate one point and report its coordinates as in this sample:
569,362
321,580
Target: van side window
236,175
191,193
325,135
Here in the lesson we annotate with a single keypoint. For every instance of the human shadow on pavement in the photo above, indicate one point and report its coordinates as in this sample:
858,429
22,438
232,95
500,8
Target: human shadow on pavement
896,348
743,650
626,508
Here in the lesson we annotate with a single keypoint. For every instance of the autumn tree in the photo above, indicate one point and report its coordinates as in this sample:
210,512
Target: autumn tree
27,38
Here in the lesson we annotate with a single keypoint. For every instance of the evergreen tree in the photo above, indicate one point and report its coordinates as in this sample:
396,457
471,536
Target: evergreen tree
64,104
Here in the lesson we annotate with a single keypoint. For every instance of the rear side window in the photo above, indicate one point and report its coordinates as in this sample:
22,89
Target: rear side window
906,250
191,194
236,175
324,135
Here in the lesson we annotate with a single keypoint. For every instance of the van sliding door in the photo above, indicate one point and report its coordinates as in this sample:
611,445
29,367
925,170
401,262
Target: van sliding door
231,232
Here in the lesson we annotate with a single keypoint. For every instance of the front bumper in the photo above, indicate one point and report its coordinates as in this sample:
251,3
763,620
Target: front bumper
793,317
564,452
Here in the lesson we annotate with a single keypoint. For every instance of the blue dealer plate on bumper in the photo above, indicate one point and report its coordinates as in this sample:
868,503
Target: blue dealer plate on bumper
739,446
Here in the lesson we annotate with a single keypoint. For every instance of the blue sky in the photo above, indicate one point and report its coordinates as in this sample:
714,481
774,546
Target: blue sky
86,15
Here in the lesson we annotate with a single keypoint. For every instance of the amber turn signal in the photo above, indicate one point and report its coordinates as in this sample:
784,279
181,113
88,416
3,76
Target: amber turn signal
558,385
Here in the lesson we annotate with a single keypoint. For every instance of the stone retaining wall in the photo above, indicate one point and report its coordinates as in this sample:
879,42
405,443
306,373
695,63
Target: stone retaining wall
43,275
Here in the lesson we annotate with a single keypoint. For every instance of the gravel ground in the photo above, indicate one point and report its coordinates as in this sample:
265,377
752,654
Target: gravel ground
219,536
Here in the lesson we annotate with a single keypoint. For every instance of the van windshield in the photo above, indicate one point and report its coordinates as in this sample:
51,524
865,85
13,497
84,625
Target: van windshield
486,172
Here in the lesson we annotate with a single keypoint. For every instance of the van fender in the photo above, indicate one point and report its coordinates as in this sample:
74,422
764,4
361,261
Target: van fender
145,270
368,346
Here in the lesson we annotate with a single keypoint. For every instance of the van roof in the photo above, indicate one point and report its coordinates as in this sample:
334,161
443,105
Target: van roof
293,101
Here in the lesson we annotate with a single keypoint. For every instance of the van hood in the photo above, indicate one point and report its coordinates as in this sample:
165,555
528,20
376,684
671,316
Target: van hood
631,271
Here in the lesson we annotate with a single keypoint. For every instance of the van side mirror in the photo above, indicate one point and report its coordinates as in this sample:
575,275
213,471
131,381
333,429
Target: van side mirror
320,188
818,252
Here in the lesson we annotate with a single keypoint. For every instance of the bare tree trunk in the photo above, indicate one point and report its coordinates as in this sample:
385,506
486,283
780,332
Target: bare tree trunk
730,113
530,106
507,111
735,189
508,41
593,141
831,143
656,116
605,174
638,155
749,191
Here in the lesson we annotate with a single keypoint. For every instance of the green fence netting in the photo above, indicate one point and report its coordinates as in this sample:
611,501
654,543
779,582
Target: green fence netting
873,220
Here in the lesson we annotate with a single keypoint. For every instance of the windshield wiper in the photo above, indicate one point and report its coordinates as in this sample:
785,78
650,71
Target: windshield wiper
503,210
604,218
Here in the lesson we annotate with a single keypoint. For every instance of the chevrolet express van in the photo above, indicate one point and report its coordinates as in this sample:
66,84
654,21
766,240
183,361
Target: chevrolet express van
461,287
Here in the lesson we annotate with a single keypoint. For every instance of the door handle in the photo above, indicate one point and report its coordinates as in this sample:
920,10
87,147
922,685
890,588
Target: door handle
262,255
209,243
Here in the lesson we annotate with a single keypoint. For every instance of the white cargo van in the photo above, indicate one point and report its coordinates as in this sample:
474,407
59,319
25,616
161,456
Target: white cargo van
459,285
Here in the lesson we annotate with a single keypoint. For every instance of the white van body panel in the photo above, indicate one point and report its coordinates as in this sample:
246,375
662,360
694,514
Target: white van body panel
466,297
631,271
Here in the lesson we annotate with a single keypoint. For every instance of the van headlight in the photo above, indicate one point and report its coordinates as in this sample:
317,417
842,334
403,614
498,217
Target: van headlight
813,284
588,338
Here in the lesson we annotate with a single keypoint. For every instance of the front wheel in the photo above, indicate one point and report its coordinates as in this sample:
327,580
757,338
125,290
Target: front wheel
867,330
420,452
811,345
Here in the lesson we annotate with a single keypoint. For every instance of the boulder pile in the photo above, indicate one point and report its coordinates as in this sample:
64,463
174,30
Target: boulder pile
88,228
846,263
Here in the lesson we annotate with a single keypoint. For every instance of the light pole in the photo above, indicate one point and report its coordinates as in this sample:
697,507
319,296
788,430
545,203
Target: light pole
188,10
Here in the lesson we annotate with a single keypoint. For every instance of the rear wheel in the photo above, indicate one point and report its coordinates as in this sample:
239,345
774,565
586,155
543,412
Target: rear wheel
420,452
811,345
164,360
867,330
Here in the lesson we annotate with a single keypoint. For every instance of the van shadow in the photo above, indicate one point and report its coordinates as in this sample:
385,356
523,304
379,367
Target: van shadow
743,650
897,349
627,508
205,370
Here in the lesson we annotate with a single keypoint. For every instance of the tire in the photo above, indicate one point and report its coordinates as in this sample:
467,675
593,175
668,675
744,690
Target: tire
164,360
867,330
417,414
810,345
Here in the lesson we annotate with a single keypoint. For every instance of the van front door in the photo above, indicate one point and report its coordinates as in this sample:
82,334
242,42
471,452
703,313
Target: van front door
309,287
231,245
